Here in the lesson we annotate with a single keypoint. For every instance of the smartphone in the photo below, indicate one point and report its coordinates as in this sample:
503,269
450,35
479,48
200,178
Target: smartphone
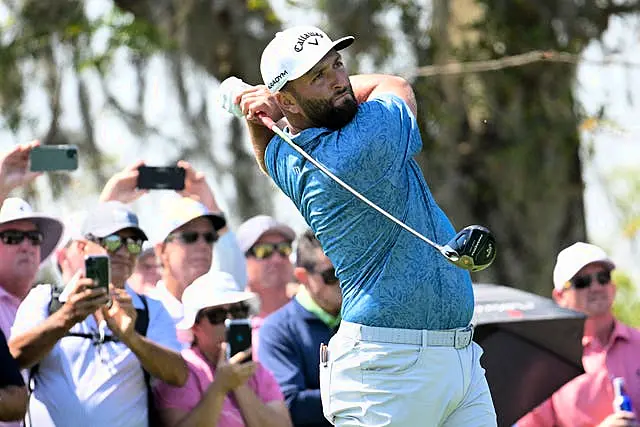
46,158
238,336
98,268
161,178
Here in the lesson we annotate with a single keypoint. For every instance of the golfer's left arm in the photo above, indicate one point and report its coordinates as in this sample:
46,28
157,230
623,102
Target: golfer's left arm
368,86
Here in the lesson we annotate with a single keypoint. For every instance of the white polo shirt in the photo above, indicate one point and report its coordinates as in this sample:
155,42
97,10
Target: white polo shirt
176,311
82,383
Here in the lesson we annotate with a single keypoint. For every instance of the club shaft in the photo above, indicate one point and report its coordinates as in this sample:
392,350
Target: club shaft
271,125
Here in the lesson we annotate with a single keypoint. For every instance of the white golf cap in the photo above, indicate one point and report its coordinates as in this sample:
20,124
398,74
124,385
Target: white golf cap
571,260
252,229
213,289
15,209
295,51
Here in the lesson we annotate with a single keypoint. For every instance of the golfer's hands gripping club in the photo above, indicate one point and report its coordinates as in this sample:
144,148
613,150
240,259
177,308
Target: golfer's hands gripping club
254,103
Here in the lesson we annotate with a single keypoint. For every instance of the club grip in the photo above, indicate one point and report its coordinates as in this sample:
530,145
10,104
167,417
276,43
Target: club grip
266,120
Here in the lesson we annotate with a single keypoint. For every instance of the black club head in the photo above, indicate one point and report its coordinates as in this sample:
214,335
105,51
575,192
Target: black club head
473,248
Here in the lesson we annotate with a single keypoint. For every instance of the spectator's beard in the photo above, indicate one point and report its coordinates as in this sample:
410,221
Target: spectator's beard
325,113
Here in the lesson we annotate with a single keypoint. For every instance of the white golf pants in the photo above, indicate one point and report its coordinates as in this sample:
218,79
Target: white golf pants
377,377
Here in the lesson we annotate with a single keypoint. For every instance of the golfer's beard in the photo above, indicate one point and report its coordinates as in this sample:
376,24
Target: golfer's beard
322,113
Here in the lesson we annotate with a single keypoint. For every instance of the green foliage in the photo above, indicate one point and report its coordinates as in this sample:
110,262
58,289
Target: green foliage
627,304
36,29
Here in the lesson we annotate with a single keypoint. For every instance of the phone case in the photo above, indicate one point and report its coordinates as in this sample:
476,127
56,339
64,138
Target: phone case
238,336
161,178
98,268
46,158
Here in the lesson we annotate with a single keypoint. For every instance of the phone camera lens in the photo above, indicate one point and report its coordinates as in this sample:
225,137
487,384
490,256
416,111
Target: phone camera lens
71,154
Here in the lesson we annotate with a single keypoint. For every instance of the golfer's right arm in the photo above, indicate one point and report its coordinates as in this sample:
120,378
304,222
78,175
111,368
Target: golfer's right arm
368,86
260,136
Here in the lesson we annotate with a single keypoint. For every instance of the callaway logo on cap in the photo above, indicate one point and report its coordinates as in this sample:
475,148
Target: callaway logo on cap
295,51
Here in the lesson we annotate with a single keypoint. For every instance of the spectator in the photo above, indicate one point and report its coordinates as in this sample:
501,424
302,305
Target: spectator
582,282
219,392
267,245
290,337
13,393
192,228
26,238
93,360
147,272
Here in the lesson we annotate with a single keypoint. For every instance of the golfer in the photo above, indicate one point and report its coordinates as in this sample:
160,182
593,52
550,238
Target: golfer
404,354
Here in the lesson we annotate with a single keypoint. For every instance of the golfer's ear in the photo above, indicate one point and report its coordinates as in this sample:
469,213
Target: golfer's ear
287,102
557,296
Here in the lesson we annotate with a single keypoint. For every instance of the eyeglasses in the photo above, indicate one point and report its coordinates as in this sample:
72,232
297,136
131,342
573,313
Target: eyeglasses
265,250
190,237
15,237
329,276
113,243
584,281
216,316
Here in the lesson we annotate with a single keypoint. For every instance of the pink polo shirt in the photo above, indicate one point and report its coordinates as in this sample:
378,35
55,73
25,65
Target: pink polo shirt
201,375
588,399
9,304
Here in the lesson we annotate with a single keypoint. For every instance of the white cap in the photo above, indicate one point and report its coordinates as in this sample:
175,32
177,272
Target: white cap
295,51
213,289
252,229
16,209
177,212
571,260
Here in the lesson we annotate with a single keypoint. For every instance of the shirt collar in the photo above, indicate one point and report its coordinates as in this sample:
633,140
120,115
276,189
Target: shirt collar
306,301
172,303
5,295
620,331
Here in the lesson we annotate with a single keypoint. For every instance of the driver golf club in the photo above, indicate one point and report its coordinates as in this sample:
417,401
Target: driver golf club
473,248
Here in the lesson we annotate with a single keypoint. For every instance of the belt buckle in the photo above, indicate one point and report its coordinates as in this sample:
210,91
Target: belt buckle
463,338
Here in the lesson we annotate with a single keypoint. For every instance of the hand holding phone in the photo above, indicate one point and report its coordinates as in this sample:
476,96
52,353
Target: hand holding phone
161,178
48,158
238,336
14,167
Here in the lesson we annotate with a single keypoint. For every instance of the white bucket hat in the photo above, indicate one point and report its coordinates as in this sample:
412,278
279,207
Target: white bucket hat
213,289
571,260
15,209
295,51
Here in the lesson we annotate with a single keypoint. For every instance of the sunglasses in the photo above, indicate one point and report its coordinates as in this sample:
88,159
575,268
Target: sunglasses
329,276
265,250
15,237
190,237
114,242
217,316
584,281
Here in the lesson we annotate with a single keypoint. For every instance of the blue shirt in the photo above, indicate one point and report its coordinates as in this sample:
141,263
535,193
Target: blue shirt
289,347
389,277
